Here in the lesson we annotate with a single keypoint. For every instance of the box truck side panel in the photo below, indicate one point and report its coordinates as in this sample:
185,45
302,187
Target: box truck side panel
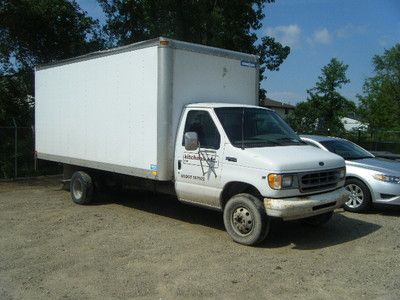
100,113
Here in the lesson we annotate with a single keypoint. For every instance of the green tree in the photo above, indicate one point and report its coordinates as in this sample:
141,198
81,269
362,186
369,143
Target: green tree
35,32
380,102
225,24
15,102
325,106
40,31
304,119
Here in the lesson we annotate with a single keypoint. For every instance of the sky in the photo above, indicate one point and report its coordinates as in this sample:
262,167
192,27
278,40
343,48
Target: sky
318,30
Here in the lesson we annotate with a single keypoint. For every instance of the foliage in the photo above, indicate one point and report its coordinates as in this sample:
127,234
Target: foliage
35,32
41,31
325,106
225,24
15,104
304,118
380,102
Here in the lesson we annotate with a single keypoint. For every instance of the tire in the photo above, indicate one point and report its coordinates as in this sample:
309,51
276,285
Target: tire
245,219
81,188
360,198
318,220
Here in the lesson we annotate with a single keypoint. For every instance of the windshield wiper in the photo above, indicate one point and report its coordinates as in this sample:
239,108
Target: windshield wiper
244,144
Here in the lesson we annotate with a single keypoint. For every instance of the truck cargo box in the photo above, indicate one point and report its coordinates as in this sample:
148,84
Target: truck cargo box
118,110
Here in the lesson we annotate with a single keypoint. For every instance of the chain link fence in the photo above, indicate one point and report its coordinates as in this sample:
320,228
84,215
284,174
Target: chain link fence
17,154
17,150
385,143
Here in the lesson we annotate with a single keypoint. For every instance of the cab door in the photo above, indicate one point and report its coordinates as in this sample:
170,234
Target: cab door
198,172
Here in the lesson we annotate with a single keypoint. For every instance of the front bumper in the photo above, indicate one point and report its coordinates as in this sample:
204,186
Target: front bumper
305,206
385,192
392,200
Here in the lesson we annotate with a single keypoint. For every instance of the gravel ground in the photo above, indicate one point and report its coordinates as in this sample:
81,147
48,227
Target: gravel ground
151,246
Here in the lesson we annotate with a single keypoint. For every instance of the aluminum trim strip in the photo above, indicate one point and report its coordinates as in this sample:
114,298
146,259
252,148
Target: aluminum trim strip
151,43
98,165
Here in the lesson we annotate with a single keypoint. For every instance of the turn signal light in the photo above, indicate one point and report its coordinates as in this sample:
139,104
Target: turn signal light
280,181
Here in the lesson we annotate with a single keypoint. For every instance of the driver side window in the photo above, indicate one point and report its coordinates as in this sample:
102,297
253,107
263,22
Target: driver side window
201,122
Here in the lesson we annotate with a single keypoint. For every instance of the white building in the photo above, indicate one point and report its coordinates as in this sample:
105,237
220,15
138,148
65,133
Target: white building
353,124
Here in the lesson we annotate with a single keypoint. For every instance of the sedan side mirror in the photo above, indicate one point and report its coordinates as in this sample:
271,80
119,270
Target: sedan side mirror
191,141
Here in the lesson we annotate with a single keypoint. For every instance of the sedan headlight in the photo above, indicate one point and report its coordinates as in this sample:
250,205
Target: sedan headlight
387,178
342,173
281,181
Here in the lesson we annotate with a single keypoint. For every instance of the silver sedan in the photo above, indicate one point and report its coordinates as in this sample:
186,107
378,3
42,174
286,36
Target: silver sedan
368,179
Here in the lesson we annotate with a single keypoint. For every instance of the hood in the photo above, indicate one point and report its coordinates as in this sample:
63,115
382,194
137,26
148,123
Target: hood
382,165
291,158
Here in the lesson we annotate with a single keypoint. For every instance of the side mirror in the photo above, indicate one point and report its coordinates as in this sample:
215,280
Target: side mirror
191,141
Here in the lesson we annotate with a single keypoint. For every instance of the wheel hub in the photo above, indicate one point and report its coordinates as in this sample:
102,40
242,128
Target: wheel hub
242,220
356,196
77,189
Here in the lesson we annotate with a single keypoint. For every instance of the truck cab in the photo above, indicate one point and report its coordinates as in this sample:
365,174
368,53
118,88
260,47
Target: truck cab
246,161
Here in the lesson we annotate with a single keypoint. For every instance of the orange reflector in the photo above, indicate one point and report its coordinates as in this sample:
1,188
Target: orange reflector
164,43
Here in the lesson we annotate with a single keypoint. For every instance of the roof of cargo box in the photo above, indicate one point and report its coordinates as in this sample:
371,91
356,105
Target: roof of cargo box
162,42
219,105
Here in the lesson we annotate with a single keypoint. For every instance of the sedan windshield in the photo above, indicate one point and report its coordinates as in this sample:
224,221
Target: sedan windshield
346,149
255,127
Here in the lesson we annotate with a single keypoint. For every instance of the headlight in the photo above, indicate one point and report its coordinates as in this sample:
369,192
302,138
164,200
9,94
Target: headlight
342,173
280,181
387,178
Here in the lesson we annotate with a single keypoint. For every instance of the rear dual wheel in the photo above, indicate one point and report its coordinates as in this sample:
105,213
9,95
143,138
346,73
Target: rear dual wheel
81,188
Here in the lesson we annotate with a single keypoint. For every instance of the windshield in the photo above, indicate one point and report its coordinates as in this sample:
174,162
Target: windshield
255,127
346,149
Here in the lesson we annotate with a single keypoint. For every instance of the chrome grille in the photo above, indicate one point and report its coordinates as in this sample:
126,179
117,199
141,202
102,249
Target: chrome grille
316,181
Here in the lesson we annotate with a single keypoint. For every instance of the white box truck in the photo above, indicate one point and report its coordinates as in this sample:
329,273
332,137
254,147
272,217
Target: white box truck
181,118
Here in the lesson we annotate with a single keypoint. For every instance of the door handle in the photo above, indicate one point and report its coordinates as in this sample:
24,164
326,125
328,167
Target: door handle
230,158
179,164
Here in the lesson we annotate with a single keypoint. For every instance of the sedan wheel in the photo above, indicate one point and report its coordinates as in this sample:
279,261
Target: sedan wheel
360,196
356,197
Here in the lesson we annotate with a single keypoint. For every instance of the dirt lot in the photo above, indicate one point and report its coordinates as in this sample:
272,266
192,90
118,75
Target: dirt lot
141,245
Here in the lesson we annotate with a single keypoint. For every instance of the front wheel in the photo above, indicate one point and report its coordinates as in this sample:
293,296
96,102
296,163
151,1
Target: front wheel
360,196
245,219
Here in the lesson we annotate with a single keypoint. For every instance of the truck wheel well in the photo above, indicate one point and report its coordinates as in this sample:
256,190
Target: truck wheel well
233,188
